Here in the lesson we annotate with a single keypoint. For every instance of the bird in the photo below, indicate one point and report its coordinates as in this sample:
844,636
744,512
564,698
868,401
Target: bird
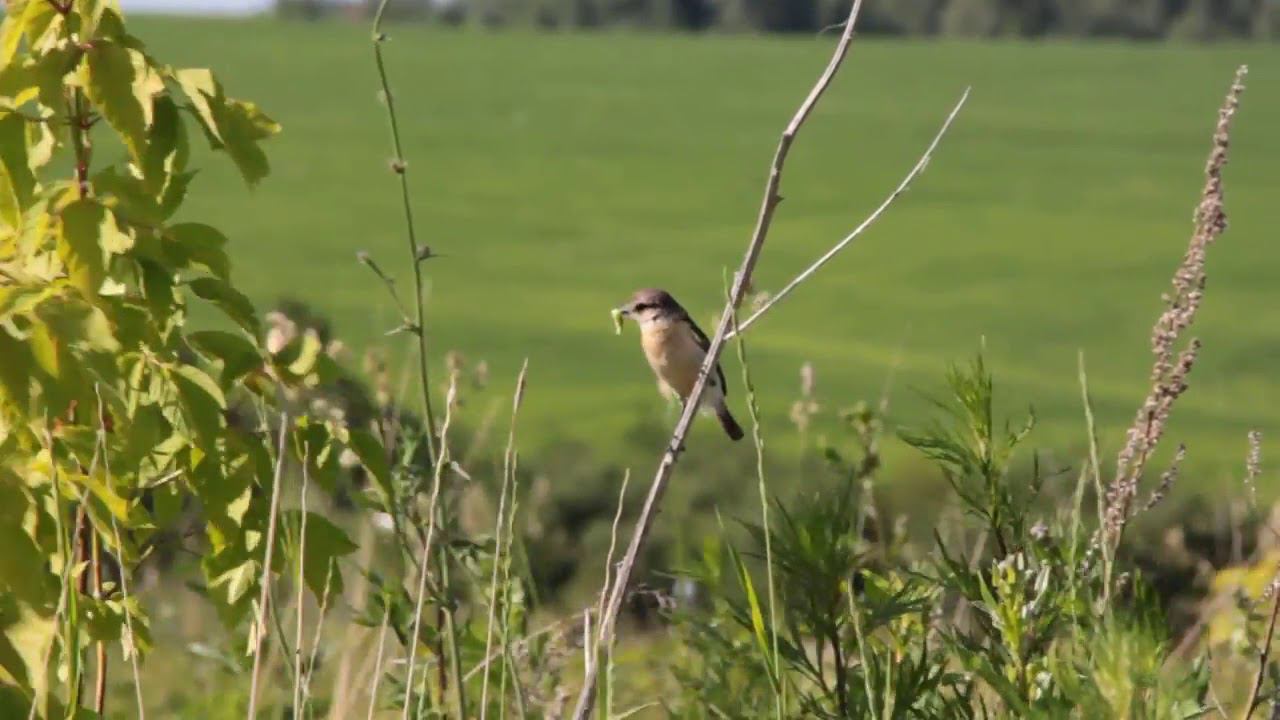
676,347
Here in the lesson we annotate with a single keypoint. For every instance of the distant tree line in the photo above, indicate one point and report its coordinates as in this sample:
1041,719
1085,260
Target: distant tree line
1137,19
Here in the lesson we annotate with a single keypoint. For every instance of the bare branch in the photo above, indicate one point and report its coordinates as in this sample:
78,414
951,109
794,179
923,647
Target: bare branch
903,186
608,620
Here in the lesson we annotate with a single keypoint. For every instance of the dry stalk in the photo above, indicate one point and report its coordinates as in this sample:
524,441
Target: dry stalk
377,663
264,597
507,475
302,553
127,640
1172,365
423,572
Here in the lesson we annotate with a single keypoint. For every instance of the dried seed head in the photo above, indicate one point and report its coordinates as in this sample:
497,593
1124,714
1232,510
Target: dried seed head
1171,367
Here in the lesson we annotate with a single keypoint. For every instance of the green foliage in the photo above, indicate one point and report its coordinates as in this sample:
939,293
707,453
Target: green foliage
869,629
107,412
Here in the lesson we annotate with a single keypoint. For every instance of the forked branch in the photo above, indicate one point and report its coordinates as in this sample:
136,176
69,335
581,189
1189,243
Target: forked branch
826,257
616,592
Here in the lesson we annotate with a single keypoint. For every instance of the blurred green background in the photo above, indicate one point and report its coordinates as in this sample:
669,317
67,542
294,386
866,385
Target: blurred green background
556,173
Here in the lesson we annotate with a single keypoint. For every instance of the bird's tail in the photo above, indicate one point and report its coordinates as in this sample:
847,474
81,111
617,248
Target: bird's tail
731,426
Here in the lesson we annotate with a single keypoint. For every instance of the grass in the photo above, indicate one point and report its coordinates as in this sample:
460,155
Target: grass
558,173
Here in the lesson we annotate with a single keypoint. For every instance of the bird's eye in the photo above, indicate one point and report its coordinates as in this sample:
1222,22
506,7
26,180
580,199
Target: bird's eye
641,307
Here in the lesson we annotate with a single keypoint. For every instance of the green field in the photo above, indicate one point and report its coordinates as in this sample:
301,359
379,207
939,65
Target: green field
560,172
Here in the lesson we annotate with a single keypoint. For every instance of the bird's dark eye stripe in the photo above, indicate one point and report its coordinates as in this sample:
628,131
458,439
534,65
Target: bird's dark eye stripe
643,306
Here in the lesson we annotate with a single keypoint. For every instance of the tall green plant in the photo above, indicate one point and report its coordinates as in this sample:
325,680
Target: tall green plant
112,412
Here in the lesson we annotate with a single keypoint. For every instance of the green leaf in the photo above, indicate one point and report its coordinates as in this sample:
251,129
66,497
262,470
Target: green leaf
757,617
22,566
11,31
237,354
18,83
232,125
121,84
17,182
78,325
374,458
243,126
41,23
202,402
85,225
167,149
202,89
325,544
100,487
132,202
231,301
309,351
203,245
15,371
51,70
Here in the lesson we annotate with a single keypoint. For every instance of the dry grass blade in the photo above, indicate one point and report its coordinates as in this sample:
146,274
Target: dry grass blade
424,565
507,477
264,597
377,663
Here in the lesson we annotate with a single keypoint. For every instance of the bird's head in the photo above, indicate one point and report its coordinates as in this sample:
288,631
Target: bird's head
650,306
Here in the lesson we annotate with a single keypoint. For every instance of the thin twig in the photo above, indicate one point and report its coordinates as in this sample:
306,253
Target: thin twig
315,639
302,553
1263,658
903,186
100,682
264,597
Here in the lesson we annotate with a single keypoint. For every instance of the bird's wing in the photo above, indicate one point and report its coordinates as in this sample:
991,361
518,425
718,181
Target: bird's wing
705,343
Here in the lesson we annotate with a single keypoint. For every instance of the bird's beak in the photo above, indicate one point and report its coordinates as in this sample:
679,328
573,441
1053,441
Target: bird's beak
623,311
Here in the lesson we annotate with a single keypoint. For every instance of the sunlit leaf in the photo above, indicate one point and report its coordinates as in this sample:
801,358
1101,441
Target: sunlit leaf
121,84
232,125
85,226
202,401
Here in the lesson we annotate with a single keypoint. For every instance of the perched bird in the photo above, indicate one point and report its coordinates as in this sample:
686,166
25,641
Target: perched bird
675,347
